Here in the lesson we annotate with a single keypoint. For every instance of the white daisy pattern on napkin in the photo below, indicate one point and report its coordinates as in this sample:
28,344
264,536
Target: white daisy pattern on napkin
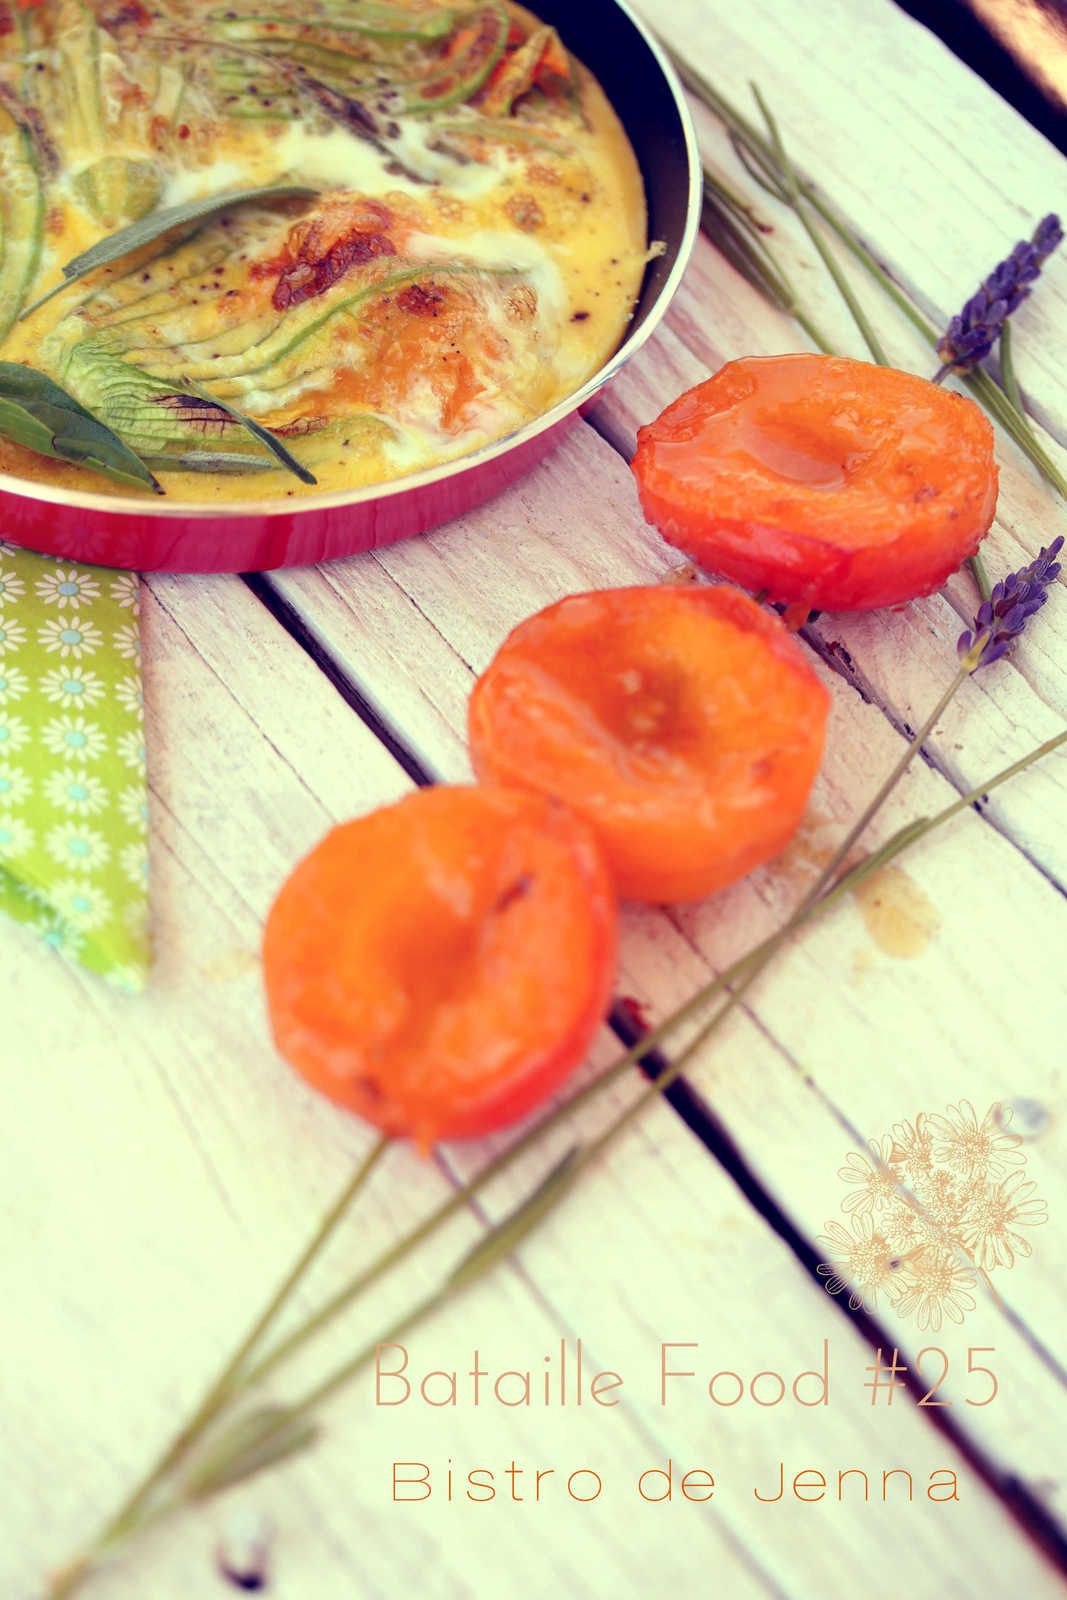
68,586
75,738
72,688
73,789
12,587
71,635
12,632
13,683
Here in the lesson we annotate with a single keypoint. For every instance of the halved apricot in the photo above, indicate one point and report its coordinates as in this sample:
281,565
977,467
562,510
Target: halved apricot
823,480
443,964
683,723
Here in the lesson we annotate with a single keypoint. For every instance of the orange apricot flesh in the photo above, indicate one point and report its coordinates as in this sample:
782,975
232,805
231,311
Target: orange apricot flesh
682,722
442,965
821,480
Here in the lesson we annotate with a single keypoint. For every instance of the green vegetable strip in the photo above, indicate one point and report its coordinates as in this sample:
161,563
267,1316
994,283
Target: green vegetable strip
78,78
379,21
270,345
22,206
157,300
462,76
259,433
459,54
518,76
221,461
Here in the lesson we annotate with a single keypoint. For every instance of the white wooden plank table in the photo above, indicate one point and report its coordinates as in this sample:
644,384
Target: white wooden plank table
162,1166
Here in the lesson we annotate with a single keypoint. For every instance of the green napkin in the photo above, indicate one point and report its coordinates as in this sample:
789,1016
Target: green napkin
73,789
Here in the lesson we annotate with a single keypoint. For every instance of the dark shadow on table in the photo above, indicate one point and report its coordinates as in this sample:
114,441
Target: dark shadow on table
1018,46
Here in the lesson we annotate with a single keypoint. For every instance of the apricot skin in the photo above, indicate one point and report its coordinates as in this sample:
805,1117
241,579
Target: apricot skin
821,480
683,722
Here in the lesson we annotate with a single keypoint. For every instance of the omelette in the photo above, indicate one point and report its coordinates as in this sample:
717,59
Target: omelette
298,246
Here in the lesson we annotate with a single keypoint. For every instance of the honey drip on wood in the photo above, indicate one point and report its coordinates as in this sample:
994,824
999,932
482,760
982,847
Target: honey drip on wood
898,916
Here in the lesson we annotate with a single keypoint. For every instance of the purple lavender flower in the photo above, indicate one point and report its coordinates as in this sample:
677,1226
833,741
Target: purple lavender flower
1001,618
970,337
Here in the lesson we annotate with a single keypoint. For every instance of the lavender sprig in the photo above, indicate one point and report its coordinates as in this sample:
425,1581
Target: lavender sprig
1001,619
970,337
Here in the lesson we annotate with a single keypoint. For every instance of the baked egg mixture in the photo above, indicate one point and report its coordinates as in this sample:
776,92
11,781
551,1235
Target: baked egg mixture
464,248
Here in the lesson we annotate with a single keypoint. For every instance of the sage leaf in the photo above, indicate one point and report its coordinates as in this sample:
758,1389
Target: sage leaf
146,229
503,1240
268,440
251,1444
37,413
